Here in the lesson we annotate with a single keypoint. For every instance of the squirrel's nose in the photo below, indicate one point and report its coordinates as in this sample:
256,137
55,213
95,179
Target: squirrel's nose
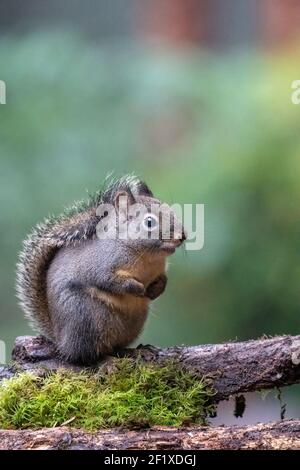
182,238
183,235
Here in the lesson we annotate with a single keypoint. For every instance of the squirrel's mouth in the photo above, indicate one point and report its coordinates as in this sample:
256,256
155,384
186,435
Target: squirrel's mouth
169,246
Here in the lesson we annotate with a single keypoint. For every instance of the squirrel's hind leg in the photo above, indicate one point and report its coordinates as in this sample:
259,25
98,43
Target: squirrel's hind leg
79,335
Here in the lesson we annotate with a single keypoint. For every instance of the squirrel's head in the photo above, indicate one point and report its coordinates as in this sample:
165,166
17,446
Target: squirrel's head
140,220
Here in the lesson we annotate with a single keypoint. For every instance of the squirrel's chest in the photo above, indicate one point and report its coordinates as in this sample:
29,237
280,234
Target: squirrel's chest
145,269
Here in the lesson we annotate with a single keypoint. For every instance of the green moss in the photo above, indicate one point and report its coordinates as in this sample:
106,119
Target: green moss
131,394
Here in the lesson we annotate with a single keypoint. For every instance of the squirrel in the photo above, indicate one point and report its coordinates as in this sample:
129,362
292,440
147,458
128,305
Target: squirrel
90,296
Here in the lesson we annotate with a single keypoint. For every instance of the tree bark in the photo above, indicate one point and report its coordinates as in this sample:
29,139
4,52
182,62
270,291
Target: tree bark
234,368
280,435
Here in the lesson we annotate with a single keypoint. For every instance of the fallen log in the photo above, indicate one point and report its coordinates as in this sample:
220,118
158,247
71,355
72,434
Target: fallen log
234,368
284,435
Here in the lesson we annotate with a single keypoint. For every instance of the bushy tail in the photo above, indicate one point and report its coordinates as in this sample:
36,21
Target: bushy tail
38,251
35,257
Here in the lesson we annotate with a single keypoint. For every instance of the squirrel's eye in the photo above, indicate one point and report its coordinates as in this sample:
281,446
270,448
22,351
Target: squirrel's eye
150,222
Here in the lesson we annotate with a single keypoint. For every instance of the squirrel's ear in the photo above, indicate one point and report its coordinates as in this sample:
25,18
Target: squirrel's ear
122,201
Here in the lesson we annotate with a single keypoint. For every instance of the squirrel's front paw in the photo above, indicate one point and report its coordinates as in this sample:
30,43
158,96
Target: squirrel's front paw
157,287
134,287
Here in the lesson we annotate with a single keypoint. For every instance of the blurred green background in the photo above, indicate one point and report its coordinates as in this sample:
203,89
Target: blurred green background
200,124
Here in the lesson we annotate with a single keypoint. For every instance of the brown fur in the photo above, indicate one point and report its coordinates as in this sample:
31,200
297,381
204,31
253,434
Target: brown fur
122,303
145,269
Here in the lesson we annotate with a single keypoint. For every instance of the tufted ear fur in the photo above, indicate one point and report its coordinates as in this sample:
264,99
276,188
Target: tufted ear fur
130,184
122,201
141,189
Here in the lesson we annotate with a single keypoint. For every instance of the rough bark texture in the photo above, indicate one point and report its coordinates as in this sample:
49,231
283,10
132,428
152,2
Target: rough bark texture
281,435
234,367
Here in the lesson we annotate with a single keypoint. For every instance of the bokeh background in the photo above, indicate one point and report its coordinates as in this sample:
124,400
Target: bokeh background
194,96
